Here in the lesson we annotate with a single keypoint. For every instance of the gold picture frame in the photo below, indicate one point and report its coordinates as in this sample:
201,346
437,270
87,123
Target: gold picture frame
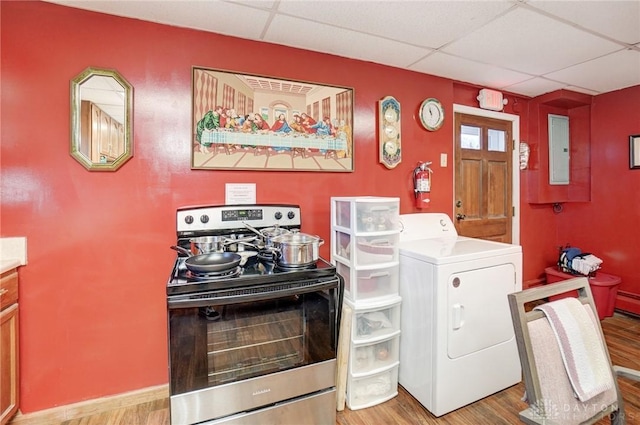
252,122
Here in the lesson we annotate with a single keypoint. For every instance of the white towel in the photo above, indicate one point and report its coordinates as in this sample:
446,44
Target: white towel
587,264
581,346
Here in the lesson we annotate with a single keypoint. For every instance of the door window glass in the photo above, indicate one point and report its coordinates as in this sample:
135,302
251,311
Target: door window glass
470,137
497,140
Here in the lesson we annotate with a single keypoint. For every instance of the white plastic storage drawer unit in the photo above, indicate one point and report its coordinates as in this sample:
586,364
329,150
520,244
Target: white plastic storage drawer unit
364,284
365,233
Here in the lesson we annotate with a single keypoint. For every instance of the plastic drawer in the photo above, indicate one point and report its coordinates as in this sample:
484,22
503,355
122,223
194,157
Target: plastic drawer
376,249
341,245
369,283
342,213
375,321
377,216
367,391
372,357
366,213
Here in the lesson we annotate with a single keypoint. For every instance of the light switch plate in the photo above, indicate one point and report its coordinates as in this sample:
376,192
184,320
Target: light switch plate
443,159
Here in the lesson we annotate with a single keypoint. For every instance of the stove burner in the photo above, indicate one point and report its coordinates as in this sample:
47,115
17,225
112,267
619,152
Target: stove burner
266,255
214,275
293,267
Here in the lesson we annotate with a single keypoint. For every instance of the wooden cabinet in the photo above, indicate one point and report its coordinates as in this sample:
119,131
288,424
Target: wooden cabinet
8,345
104,140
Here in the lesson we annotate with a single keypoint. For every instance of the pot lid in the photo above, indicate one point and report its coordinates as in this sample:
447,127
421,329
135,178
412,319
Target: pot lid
296,238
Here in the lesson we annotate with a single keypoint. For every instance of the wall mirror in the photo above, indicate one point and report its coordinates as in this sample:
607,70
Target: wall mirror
634,151
101,111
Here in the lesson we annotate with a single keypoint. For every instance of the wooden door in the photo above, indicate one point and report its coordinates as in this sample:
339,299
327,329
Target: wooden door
483,175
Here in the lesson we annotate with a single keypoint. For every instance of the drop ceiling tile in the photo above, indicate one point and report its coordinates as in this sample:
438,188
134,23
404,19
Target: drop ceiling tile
421,23
525,41
534,87
341,42
611,72
260,4
616,19
220,17
468,71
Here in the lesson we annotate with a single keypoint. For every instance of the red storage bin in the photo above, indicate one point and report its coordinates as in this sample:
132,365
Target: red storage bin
604,288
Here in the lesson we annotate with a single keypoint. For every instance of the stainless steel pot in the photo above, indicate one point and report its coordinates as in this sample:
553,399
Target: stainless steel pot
267,235
270,233
207,244
296,249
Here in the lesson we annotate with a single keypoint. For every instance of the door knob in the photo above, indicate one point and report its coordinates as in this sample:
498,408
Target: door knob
460,217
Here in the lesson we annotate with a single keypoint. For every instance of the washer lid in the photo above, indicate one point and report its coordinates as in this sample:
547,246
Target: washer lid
451,250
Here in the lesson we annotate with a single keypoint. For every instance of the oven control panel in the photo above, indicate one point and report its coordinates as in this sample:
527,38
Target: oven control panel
227,217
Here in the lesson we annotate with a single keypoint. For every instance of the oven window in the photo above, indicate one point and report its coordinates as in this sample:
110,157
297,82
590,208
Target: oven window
219,344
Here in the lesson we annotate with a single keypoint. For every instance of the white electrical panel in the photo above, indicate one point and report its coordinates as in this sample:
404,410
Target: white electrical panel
558,150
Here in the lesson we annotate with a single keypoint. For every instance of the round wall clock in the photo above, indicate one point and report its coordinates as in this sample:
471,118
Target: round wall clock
431,114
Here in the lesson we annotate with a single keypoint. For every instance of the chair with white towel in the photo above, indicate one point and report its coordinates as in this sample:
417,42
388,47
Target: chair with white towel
568,375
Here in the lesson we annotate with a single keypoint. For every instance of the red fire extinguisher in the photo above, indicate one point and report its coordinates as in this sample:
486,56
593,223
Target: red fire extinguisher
422,184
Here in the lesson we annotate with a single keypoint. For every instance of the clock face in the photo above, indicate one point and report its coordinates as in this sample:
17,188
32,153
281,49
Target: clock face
390,131
390,148
431,114
390,115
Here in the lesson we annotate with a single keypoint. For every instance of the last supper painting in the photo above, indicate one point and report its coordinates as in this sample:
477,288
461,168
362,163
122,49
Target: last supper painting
250,122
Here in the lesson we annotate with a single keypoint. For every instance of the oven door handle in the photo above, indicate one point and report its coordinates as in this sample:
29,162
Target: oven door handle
236,296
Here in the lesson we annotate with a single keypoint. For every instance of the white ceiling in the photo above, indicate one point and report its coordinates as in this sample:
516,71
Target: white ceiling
107,93
528,47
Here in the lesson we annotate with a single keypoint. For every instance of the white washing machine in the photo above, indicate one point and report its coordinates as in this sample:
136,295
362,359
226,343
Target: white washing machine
457,343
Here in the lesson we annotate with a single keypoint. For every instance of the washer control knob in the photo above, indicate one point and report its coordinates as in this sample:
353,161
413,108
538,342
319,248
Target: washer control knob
291,215
204,218
278,215
188,219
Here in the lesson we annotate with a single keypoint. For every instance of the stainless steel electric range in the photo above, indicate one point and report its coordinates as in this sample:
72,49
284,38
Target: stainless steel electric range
254,344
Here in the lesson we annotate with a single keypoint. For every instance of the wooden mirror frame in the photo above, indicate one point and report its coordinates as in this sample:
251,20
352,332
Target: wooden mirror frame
89,122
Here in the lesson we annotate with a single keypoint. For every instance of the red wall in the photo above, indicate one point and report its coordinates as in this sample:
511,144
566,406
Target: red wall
608,225
92,298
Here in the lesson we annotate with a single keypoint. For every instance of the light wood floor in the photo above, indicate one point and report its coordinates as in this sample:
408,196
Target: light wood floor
623,338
